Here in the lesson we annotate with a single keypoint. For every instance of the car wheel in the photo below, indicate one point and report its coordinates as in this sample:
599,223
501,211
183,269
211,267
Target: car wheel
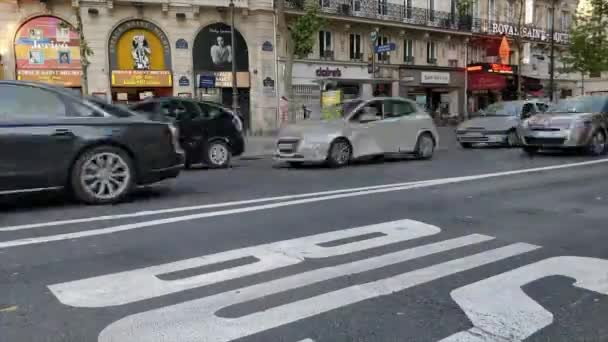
530,150
187,161
597,145
102,175
425,147
513,139
466,145
217,155
340,153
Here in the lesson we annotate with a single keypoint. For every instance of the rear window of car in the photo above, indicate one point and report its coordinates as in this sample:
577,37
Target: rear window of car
589,104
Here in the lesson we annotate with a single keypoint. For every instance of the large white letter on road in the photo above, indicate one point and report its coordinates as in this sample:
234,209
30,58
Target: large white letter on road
141,284
500,310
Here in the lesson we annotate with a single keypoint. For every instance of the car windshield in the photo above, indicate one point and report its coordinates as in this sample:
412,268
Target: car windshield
503,109
347,107
579,105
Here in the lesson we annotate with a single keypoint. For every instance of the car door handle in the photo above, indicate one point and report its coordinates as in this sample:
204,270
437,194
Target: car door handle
63,133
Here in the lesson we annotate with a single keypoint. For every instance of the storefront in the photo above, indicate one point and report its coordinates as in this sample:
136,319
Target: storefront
140,62
489,83
213,54
437,91
47,49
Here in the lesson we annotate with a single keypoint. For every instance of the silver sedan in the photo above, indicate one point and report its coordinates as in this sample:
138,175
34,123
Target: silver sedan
376,127
578,122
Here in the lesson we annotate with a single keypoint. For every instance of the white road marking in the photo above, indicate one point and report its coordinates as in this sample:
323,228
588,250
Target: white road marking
197,319
286,197
500,310
193,208
152,223
141,284
307,340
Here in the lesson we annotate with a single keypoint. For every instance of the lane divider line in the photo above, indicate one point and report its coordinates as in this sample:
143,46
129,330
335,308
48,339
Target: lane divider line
164,221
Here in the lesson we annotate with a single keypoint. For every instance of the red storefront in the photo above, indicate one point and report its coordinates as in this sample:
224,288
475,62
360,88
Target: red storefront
489,83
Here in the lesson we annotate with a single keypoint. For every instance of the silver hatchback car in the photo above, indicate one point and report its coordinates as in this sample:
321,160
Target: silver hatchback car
376,127
577,122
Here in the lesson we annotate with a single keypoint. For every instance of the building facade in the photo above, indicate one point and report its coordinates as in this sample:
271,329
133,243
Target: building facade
141,49
431,51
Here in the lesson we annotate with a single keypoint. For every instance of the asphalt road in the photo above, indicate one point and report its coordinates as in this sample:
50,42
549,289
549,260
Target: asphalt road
395,251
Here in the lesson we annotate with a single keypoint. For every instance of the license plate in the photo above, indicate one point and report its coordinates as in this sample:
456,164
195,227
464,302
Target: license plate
474,135
549,134
285,146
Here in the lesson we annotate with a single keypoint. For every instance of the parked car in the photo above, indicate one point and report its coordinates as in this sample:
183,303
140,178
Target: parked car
577,122
208,132
497,124
376,127
51,138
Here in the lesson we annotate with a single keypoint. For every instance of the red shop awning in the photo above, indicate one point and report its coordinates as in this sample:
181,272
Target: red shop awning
486,81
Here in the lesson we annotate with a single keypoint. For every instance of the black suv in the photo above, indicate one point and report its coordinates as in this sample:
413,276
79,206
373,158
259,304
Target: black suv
208,132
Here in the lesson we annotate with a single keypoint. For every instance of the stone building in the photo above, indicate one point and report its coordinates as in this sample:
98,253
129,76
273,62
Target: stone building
140,49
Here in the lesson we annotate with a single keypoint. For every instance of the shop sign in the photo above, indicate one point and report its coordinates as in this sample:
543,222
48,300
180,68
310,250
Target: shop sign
531,33
140,49
184,81
223,79
327,72
142,78
185,95
486,82
267,46
500,68
181,44
435,77
64,78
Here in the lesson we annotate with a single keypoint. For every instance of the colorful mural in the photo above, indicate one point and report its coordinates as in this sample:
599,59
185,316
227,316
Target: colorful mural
49,46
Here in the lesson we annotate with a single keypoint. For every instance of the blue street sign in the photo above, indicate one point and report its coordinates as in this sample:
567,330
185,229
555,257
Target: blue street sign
206,81
386,48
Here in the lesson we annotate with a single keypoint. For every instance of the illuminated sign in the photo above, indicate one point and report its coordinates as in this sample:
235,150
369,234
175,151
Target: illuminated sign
475,68
501,68
531,33
142,78
64,78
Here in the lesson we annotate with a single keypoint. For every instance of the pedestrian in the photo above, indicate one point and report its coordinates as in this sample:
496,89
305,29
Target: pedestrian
283,109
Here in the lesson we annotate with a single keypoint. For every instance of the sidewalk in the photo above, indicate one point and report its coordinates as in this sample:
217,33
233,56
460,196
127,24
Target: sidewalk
258,146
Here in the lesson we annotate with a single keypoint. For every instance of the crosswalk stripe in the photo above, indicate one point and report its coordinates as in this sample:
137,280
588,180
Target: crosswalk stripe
197,319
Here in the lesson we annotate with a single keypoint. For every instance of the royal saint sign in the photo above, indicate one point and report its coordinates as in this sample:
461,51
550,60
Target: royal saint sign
528,32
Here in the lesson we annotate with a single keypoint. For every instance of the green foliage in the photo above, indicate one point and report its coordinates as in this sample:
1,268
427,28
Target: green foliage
588,50
464,7
305,28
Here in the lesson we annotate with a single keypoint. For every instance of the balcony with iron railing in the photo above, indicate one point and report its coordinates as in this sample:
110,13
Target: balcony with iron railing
374,9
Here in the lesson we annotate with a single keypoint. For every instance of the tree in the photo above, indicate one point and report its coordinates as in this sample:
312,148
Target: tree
299,36
588,48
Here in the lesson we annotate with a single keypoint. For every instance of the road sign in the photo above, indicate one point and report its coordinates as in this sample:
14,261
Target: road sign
386,47
373,36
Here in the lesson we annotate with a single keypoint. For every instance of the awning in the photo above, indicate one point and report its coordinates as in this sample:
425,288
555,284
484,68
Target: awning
486,81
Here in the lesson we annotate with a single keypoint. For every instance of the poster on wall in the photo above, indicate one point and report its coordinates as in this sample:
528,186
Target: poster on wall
47,49
214,49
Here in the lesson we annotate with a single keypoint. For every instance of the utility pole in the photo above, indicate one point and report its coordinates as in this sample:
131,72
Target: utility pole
466,79
552,58
235,94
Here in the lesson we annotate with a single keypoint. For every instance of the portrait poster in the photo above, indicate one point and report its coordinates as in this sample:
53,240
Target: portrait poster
214,49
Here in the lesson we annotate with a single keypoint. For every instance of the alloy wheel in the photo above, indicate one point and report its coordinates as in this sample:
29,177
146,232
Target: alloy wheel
340,152
105,176
218,154
598,143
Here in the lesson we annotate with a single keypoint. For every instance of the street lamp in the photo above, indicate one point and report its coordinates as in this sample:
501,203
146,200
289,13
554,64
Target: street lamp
552,58
235,95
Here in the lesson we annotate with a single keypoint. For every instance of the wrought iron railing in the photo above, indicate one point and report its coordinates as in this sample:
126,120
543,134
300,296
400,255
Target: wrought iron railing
374,9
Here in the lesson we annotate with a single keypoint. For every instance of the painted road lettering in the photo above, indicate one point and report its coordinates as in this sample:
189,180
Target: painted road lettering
131,286
197,319
499,309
